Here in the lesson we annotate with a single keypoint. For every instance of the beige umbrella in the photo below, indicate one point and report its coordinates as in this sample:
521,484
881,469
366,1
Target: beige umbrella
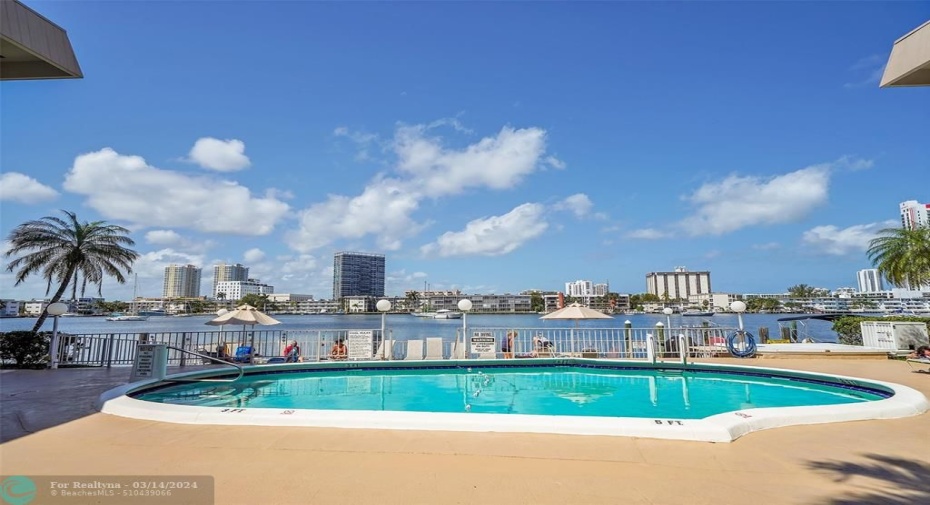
576,312
246,315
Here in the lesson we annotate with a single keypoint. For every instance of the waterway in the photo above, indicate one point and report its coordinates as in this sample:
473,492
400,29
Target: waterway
405,326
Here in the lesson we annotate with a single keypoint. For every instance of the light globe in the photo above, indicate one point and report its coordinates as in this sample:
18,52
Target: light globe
465,305
57,309
383,305
667,311
738,306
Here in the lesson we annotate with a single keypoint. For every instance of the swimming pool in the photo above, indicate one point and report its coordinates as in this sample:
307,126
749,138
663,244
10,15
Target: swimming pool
694,402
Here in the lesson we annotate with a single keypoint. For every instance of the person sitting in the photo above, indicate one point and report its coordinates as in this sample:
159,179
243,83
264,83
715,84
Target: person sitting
221,352
292,352
339,351
921,354
542,345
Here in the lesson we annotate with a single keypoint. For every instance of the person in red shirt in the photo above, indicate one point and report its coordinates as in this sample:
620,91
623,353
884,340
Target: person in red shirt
292,352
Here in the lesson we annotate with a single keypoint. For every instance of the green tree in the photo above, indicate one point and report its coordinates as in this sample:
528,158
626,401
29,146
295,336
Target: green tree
537,302
413,299
902,255
67,251
255,300
805,291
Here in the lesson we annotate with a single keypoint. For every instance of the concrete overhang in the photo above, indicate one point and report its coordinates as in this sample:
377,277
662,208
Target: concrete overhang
909,63
32,47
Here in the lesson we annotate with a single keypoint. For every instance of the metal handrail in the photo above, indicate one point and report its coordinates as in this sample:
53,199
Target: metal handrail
211,358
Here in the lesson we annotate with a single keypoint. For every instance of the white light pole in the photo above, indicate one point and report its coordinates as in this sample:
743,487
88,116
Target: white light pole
56,309
668,317
465,305
384,306
738,307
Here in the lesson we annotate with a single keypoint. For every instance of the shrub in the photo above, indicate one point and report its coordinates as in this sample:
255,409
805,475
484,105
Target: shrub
26,348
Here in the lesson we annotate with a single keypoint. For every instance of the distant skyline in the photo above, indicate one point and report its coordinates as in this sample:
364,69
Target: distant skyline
487,147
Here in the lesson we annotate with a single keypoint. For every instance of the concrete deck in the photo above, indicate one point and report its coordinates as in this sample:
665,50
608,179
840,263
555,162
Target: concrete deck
883,461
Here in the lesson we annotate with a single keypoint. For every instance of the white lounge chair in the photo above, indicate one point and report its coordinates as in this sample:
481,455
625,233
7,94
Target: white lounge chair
383,353
414,350
434,348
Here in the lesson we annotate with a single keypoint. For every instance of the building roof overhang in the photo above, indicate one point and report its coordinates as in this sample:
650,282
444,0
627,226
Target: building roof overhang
32,47
909,63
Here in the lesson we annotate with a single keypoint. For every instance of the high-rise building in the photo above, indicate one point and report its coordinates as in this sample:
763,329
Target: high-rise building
358,274
181,281
228,273
579,288
870,281
679,284
915,215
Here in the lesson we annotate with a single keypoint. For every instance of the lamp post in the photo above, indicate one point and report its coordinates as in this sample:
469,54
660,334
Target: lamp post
384,306
465,305
668,317
55,309
738,307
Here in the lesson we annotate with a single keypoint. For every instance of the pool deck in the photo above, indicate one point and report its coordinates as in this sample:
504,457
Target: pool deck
49,427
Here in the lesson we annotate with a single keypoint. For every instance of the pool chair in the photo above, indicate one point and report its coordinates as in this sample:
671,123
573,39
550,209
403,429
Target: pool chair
242,354
919,365
383,353
434,348
414,350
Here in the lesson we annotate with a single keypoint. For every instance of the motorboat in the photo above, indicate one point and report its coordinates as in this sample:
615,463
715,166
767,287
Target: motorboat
127,317
447,314
697,313
429,315
153,312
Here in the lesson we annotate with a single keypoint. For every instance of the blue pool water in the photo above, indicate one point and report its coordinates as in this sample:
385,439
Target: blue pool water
559,391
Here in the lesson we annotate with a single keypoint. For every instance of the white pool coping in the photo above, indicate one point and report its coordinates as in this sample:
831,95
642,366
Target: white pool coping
724,427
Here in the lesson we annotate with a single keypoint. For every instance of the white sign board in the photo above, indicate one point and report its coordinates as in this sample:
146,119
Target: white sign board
360,344
151,362
482,342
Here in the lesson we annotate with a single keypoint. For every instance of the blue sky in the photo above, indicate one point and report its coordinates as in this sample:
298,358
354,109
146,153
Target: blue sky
489,147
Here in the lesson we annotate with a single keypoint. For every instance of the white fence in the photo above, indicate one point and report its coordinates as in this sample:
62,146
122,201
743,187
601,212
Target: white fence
117,349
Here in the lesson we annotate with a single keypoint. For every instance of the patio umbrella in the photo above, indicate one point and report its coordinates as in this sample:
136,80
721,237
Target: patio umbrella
576,312
246,315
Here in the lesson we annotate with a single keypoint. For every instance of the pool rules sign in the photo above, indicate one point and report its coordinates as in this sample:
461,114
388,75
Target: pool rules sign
151,362
482,342
360,344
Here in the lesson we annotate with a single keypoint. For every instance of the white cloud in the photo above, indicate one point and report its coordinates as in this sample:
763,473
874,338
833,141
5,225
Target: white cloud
840,241
220,155
163,237
648,234
492,236
383,209
737,202
17,187
126,188
497,162
868,71
253,255
554,162
768,246
579,204
426,169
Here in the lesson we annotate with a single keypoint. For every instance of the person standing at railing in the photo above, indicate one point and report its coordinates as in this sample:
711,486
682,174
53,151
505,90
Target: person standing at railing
507,346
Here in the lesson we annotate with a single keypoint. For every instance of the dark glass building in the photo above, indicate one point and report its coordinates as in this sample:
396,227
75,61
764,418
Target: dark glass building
358,274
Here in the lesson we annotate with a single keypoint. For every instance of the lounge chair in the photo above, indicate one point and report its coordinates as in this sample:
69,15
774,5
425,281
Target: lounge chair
414,350
383,353
243,354
434,348
919,364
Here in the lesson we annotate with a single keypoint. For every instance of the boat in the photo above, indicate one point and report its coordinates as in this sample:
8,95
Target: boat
153,312
698,313
126,317
429,315
447,314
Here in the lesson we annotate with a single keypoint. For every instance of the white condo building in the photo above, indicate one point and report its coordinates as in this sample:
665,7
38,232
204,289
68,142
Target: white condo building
181,281
915,215
581,289
870,281
680,284
234,290
228,273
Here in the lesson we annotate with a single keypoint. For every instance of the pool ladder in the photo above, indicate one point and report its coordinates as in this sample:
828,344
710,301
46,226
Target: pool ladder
211,358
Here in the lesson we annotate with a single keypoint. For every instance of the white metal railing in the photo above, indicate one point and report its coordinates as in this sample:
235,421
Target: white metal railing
118,349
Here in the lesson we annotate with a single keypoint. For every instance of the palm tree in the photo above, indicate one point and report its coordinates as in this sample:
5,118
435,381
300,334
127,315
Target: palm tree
66,251
902,255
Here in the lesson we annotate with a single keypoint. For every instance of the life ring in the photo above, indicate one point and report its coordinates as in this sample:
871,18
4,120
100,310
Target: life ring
748,350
